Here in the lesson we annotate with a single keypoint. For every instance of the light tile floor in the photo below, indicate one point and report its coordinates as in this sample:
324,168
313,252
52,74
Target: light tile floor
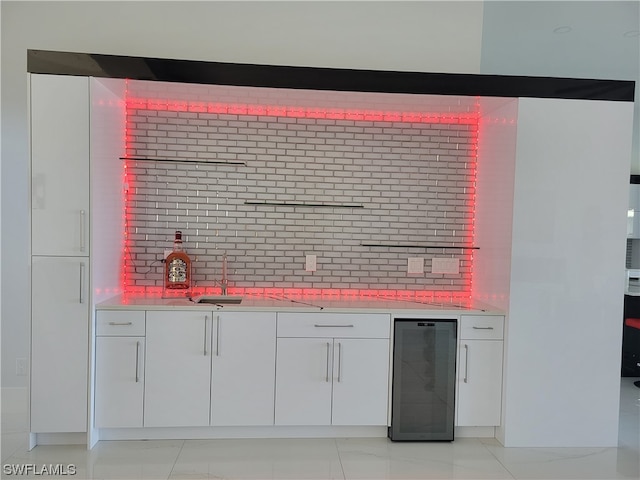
357,458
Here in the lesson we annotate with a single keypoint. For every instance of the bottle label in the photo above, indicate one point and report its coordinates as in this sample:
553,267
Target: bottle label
177,271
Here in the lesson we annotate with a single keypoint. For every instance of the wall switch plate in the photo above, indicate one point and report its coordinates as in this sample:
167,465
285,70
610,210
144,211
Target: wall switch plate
310,263
415,265
445,265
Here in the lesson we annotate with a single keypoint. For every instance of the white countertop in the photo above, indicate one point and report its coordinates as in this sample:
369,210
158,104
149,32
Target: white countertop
312,304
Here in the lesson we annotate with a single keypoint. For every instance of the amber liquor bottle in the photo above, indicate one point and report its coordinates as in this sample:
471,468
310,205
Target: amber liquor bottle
177,269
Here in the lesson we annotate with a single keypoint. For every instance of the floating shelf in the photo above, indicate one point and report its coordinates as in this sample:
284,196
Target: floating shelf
406,245
183,160
303,204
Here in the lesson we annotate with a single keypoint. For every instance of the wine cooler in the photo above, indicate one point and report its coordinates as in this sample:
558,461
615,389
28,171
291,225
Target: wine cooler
424,369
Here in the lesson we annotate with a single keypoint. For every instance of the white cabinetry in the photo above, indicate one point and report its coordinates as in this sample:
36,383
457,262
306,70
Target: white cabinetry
633,214
60,282
177,368
60,165
303,381
479,396
59,344
119,368
243,369
332,369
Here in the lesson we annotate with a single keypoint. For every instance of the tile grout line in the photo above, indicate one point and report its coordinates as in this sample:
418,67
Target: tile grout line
335,442
497,459
173,467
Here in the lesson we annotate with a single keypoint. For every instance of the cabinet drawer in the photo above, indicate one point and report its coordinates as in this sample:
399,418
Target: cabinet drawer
481,327
119,323
343,325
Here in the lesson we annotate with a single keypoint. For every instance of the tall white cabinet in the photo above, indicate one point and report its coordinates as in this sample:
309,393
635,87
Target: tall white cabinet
60,165
60,268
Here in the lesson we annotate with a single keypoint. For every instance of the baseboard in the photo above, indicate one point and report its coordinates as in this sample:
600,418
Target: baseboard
475,432
60,438
202,433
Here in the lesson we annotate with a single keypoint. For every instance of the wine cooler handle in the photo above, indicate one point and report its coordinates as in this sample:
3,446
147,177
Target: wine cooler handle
217,335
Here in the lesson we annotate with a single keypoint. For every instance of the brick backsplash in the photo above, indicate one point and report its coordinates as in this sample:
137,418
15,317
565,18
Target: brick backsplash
414,183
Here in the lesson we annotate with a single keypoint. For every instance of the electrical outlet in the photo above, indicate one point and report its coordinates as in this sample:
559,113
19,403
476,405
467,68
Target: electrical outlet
21,367
310,263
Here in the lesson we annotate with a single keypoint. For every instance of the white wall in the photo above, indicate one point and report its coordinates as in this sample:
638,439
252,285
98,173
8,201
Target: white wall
494,201
564,327
107,210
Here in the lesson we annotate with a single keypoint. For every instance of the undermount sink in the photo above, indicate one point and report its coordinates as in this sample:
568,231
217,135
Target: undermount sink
218,299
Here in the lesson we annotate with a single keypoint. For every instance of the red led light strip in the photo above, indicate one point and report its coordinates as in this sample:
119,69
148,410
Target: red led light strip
326,294
302,112
128,192
459,297
472,201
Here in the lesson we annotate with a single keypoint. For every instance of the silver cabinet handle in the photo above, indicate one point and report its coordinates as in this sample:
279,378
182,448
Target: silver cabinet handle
137,361
217,335
332,326
466,363
339,361
482,328
82,236
327,375
206,320
121,324
81,295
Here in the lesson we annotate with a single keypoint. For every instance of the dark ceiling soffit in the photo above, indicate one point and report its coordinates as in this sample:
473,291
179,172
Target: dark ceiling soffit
315,78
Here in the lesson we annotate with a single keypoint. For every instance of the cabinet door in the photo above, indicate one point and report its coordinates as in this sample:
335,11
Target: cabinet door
60,165
119,381
360,381
303,381
59,344
243,368
479,383
177,369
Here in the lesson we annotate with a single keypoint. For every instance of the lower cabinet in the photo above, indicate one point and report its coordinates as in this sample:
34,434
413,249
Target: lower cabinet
480,358
190,368
120,381
332,380
184,368
120,354
243,369
177,369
